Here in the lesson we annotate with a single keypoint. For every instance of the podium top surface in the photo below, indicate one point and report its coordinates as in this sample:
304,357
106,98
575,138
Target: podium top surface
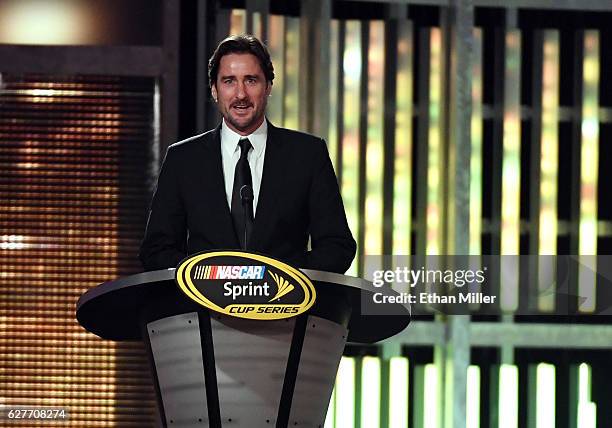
112,310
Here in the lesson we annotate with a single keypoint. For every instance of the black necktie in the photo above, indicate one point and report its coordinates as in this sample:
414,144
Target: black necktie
242,178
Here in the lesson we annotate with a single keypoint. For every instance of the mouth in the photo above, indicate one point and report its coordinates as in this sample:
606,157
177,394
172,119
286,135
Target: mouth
241,108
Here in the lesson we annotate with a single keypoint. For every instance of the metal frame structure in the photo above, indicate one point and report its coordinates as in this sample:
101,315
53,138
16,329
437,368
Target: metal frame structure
452,337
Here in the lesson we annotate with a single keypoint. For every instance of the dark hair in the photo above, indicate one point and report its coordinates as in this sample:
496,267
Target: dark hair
242,43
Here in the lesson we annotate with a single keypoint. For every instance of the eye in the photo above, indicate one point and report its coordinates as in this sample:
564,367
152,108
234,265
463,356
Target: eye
252,80
228,81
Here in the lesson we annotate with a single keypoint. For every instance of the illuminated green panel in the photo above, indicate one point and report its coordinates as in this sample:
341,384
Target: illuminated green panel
434,167
370,392
350,139
238,21
334,67
398,392
472,410
545,400
508,396
291,93
331,411
345,394
374,147
587,241
549,164
276,46
402,188
476,155
511,168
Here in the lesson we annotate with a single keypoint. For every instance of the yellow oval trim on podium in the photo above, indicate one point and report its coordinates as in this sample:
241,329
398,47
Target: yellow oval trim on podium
183,278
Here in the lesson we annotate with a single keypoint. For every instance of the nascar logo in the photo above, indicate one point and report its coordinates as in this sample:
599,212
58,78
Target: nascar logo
229,272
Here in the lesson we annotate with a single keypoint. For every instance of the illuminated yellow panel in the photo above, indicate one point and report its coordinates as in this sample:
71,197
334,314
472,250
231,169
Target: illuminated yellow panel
587,411
508,396
476,155
549,164
374,148
587,240
511,168
402,187
398,392
431,396
545,392
472,407
434,170
334,67
276,46
238,21
370,392
291,95
257,18
350,139
47,23
345,394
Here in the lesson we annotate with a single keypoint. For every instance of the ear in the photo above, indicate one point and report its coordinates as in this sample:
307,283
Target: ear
213,91
268,88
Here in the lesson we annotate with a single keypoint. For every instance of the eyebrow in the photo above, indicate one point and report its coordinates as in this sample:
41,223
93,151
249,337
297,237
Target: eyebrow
248,76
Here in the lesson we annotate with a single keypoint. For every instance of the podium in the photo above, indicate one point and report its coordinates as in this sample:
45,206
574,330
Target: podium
213,370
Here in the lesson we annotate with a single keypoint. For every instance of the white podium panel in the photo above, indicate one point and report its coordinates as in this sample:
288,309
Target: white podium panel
177,352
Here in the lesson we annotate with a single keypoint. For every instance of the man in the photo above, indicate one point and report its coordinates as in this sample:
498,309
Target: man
246,183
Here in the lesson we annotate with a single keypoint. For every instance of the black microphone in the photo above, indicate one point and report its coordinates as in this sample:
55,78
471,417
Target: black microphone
246,195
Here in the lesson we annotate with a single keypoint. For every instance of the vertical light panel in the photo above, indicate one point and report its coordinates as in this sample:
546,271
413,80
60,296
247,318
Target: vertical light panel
431,397
238,21
334,69
370,392
75,154
402,178
256,21
476,155
292,74
587,411
331,411
545,396
374,147
434,159
508,396
345,394
549,165
350,138
589,162
276,46
511,169
472,405
398,392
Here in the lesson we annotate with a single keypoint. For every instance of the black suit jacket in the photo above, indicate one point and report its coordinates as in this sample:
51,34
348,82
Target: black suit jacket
299,197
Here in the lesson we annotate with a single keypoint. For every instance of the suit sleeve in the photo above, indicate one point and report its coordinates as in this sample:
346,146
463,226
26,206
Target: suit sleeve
164,244
333,246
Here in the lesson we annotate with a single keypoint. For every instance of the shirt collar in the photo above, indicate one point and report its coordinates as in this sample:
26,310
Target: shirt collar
230,138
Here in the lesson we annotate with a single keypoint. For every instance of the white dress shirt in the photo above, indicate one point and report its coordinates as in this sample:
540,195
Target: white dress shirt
230,153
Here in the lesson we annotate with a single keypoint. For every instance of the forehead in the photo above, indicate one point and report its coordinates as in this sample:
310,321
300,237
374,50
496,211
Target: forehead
239,64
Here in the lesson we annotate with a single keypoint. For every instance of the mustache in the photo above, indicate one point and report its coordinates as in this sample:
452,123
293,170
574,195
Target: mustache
241,104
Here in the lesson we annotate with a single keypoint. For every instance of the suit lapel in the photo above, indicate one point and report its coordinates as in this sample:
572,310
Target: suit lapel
212,174
274,167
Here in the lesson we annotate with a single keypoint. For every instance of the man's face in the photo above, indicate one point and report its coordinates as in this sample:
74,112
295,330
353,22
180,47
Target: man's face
241,91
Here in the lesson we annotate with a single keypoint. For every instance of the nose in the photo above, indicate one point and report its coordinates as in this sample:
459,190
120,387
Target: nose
240,91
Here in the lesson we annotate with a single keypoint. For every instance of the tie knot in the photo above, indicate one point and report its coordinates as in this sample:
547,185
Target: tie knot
245,146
